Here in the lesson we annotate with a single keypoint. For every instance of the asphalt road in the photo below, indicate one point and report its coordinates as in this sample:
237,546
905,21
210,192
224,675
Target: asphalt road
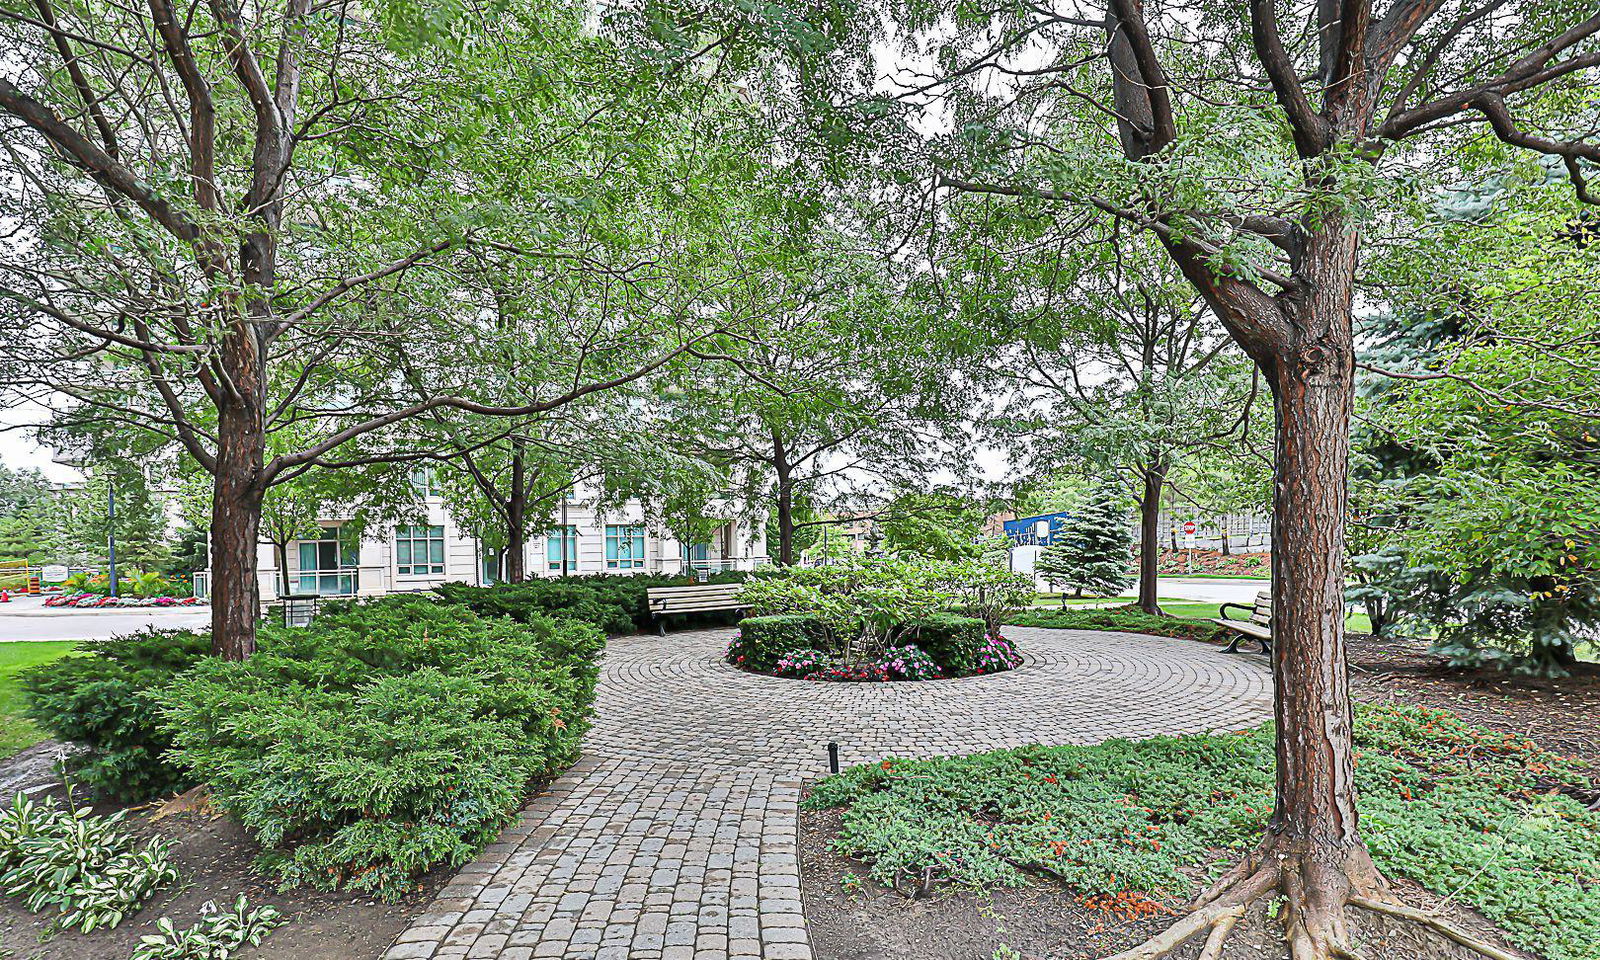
28,619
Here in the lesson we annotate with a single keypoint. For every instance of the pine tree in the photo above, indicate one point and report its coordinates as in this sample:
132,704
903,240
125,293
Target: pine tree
1093,551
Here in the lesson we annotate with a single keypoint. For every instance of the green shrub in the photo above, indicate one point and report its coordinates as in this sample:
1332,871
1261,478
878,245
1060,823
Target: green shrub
953,642
763,641
105,700
1127,619
387,738
615,603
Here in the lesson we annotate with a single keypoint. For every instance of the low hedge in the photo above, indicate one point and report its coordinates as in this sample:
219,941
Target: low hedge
952,641
763,641
1127,619
106,700
615,603
385,739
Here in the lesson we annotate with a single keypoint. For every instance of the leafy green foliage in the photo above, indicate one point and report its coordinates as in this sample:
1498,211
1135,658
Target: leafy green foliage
86,867
876,603
385,739
218,936
1458,809
764,641
105,699
1128,619
952,641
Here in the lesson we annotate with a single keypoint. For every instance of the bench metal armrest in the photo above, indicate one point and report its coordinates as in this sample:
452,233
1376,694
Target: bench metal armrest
1248,609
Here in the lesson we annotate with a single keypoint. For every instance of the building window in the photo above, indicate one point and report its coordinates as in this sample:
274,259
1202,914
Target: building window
561,552
419,550
425,482
328,564
624,547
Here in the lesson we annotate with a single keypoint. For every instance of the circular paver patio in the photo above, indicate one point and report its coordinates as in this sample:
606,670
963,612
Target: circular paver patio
674,837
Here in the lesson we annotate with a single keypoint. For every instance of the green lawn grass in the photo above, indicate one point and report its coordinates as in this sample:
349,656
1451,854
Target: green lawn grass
1357,622
16,731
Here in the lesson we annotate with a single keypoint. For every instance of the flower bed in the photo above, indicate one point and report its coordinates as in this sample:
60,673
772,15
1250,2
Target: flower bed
100,600
875,621
994,654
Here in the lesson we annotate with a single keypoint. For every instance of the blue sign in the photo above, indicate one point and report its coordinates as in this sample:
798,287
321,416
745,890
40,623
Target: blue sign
1041,530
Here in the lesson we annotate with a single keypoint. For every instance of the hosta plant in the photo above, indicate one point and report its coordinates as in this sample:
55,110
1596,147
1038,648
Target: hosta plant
218,936
85,867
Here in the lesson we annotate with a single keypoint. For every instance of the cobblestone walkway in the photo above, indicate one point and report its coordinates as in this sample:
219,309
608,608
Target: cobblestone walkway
674,838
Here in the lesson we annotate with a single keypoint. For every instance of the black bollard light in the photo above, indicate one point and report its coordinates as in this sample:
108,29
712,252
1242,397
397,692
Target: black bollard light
833,757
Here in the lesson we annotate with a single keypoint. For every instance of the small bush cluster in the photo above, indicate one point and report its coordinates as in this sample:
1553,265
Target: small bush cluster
1128,619
909,662
218,936
615,604
86,868
763,641
1463,811
107,702
385,739
998,654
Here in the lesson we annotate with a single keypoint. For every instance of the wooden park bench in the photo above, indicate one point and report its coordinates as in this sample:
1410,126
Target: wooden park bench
1257,627
666,601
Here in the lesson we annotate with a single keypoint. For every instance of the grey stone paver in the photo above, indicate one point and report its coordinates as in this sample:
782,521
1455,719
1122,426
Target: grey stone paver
675,836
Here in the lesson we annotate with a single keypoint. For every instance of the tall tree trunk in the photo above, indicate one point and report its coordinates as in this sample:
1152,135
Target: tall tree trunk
785,477
280,550
1154,476
516,561
1312,374
235,532
785,521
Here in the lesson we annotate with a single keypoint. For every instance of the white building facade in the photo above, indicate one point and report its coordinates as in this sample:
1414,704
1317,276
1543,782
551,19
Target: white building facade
434,549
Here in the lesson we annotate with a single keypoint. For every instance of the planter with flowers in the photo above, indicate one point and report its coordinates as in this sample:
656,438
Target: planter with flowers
882,620
137,589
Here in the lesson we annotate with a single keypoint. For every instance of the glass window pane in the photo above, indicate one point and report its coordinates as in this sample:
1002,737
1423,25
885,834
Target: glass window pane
308,556
436,551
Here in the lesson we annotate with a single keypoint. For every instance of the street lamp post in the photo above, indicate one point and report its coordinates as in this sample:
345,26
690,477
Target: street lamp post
111,534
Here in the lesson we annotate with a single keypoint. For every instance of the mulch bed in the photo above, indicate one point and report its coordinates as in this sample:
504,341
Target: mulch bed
213,856
852,918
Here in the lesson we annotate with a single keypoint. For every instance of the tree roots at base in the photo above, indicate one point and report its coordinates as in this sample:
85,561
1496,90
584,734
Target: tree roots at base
1314,896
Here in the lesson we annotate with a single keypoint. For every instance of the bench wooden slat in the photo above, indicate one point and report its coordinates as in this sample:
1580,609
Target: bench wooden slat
704,598
709,591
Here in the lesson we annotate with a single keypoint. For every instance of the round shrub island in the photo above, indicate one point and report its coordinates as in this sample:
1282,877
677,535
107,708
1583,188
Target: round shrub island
879,619
803,648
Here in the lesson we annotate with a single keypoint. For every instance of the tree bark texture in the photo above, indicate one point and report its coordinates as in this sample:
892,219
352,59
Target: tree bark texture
1154,476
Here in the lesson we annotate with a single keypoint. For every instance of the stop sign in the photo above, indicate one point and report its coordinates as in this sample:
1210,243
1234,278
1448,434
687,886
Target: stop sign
1189,528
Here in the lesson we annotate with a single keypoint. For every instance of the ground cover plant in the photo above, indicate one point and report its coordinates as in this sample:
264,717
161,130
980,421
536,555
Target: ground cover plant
218,936
87,868
1478,815
387,738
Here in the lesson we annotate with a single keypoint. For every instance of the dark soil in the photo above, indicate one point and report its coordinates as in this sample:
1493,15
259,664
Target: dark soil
1561,715
214,856
1043,921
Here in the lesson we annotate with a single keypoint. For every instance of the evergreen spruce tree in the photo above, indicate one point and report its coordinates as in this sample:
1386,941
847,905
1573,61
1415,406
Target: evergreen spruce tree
1094,550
